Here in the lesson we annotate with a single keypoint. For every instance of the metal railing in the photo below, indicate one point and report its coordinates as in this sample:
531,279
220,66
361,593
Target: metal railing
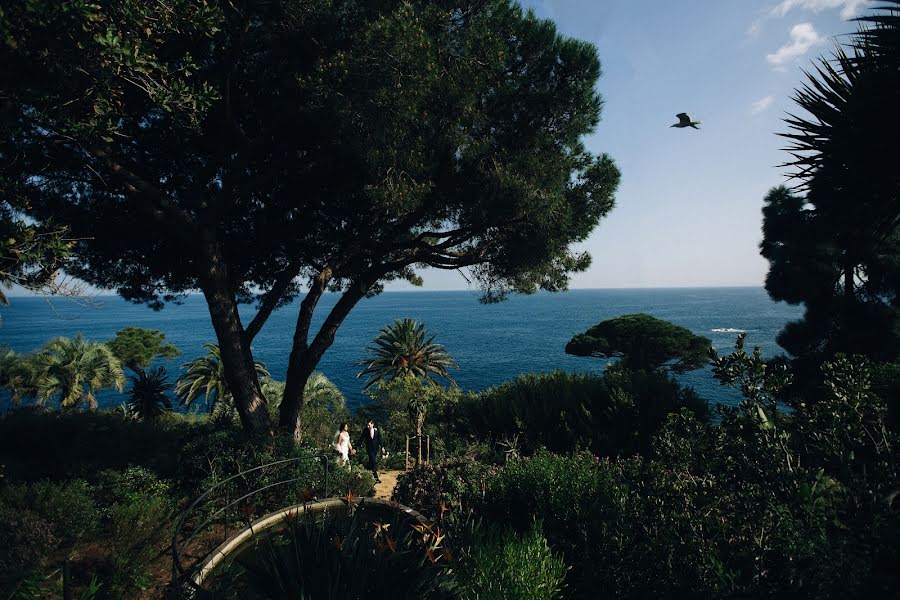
182,538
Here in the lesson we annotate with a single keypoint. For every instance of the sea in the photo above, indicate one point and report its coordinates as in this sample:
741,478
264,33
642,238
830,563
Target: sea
490,343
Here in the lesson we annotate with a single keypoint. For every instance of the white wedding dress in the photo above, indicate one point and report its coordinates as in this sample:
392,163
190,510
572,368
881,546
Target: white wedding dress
342,447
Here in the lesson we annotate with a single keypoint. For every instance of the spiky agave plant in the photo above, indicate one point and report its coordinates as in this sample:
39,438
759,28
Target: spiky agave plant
71,369
402,350
206,376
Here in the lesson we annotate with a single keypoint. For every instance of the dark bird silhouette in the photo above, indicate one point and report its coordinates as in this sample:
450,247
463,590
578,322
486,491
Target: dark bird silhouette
685,121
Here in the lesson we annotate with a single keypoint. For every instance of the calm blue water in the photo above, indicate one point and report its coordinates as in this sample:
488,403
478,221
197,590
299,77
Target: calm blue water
490,343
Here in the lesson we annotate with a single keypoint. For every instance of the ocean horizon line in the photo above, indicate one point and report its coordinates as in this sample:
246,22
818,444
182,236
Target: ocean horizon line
474,291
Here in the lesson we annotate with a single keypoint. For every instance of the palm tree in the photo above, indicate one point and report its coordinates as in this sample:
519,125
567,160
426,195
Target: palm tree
147,399
836,247
11,372
72,369
319,391
401,350
206,375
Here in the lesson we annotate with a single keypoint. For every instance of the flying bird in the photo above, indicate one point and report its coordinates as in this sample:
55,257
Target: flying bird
685,121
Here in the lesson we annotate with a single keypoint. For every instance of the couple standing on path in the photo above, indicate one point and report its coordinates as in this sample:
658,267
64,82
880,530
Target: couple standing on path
371,440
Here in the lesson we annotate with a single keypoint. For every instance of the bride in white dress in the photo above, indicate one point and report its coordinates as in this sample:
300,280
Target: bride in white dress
343,446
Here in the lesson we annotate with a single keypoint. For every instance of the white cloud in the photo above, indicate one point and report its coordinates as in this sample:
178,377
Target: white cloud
803,37
761,105
849,8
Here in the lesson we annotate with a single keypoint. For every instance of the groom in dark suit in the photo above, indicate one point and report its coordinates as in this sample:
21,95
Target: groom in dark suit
372,440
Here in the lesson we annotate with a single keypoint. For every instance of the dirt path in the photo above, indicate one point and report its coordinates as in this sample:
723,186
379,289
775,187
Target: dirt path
386,487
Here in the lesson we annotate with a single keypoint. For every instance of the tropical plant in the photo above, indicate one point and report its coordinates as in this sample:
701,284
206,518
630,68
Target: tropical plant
136,347
321,392
181,177
147,399
833,242
351,553
11,372
206,375
402,350
73,370
642,342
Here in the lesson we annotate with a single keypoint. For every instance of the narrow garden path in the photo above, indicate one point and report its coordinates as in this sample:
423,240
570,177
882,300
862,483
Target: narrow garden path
388,481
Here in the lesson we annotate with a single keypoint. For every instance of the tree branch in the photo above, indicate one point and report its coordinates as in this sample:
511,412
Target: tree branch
270,301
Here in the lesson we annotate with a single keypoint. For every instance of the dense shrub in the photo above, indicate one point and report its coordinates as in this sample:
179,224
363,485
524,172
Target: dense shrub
616,414
26,542
84,443
443,491
577,497
356,481
131,484
67,506
140,530
211,459
500,563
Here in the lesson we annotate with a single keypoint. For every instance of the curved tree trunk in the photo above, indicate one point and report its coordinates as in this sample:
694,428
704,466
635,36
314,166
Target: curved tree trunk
240,372
305,356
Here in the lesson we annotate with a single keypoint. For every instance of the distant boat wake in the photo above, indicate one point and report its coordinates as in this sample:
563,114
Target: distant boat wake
728,330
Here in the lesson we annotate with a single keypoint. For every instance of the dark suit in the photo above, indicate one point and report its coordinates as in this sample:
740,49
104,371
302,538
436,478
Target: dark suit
373,448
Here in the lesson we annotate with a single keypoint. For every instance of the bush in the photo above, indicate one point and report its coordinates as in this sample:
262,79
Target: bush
26,542
500,563
357,481
616,414
212,458
131,485
68,506
455,486
140,530
573,496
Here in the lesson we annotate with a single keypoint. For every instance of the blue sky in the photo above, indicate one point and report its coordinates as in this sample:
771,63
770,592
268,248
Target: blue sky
688,208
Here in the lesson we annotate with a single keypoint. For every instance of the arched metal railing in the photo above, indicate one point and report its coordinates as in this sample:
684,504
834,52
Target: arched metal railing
185,532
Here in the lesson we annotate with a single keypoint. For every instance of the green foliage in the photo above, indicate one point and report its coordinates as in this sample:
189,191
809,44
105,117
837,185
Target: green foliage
26,542
349,553
400,407
140,529
613,414
31,254
136,347
12,373
71,369
444,492
210,459
835,248
161,135
206,375
147,398
643,343
129,486
401,351
67,506
323,407
500,563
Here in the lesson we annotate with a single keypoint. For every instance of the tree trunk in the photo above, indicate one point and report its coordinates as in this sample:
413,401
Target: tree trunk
305,356
240,372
